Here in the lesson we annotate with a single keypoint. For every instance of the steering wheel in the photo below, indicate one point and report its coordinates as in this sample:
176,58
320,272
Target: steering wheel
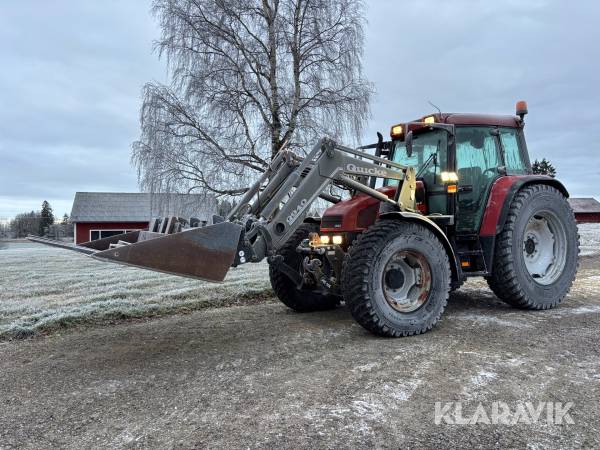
491,169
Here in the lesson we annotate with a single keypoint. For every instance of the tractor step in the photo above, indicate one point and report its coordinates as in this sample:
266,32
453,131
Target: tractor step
472,261
478,273
471,252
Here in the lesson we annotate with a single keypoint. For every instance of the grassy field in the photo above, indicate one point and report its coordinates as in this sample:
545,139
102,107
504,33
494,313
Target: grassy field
44,288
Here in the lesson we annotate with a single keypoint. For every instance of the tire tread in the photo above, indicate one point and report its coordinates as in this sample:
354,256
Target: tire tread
360,259
504,280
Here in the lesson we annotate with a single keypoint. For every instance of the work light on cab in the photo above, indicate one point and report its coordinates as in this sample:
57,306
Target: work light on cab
397,132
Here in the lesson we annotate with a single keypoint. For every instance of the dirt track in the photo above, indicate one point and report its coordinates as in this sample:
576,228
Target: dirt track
262,376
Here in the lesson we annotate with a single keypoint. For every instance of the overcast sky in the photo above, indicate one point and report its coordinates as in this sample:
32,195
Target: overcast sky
71,74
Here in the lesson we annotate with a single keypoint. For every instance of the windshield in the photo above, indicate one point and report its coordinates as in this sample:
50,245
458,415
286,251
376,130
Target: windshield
424,146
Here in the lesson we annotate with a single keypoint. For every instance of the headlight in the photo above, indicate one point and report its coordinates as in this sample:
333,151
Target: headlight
337,240
449,177
325,240
396,132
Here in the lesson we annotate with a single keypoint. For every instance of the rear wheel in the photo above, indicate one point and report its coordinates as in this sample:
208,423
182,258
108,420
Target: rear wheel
397,279
299,299
536,256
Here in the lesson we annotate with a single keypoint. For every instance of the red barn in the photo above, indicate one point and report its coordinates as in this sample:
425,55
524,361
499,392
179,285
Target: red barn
587,210
97,215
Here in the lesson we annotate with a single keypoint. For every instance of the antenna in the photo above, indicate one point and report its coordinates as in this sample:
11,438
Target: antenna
435,106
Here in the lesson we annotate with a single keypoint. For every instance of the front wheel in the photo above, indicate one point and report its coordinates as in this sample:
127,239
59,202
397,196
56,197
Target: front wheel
397,279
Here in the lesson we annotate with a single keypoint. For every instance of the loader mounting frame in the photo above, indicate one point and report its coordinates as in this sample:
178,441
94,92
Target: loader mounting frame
273,211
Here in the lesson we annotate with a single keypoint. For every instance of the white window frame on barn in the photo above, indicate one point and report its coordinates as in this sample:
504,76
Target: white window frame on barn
113,232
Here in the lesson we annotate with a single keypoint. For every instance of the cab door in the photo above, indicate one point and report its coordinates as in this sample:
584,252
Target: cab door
429,157
478,159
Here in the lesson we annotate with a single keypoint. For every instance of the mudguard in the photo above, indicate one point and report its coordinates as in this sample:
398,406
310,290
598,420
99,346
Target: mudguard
419,218
501,195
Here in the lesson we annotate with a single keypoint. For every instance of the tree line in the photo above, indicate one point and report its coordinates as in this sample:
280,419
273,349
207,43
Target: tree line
38,223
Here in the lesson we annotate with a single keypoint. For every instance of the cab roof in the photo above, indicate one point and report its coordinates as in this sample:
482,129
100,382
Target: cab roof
476,119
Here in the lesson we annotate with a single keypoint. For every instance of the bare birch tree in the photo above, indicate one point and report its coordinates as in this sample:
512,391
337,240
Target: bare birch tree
247,76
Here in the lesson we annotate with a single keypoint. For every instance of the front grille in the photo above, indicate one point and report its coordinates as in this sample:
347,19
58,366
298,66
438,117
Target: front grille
331,222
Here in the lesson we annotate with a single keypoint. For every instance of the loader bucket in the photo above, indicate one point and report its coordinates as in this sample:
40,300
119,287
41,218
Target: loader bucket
206,253
104,244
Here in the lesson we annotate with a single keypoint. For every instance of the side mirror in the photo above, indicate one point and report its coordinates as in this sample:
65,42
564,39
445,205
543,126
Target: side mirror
379,147
408,142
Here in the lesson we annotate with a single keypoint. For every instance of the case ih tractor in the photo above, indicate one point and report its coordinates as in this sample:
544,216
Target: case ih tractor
450,196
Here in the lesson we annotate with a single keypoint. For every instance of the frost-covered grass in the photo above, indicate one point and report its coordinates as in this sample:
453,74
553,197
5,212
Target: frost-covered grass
44,288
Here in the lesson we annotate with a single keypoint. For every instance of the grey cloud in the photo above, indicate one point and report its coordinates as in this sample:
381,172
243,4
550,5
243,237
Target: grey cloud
70,85
71,73
469,56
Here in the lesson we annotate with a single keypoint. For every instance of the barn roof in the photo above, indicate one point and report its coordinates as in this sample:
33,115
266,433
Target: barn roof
139,207
585,205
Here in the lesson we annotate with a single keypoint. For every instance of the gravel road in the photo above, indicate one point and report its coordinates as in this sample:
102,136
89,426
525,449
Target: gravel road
261,376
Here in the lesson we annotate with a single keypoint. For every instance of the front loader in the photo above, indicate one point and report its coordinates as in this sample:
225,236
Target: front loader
450,196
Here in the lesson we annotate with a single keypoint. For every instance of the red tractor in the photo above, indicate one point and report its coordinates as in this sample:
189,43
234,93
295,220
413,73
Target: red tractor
450,196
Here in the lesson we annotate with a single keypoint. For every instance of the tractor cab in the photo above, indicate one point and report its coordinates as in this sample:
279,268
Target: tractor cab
458,157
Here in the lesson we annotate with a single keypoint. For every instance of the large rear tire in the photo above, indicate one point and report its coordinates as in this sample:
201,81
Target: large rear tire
397,279
301,300
536,254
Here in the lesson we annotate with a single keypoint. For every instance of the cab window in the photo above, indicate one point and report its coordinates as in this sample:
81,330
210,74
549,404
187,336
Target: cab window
477,162
515,165
425,146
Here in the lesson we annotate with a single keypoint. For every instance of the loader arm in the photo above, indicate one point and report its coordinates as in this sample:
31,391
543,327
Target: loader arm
267,215
277,209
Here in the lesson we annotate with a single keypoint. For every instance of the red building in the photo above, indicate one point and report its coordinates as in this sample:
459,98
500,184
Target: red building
587,210
97,215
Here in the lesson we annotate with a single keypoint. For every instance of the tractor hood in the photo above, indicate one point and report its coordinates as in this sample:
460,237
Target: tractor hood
354,214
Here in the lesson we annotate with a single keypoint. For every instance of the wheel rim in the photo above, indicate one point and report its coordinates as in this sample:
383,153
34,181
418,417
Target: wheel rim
545,247
406,281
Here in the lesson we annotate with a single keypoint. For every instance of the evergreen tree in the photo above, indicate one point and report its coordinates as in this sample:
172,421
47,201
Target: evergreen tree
47,217
543,167
65,219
